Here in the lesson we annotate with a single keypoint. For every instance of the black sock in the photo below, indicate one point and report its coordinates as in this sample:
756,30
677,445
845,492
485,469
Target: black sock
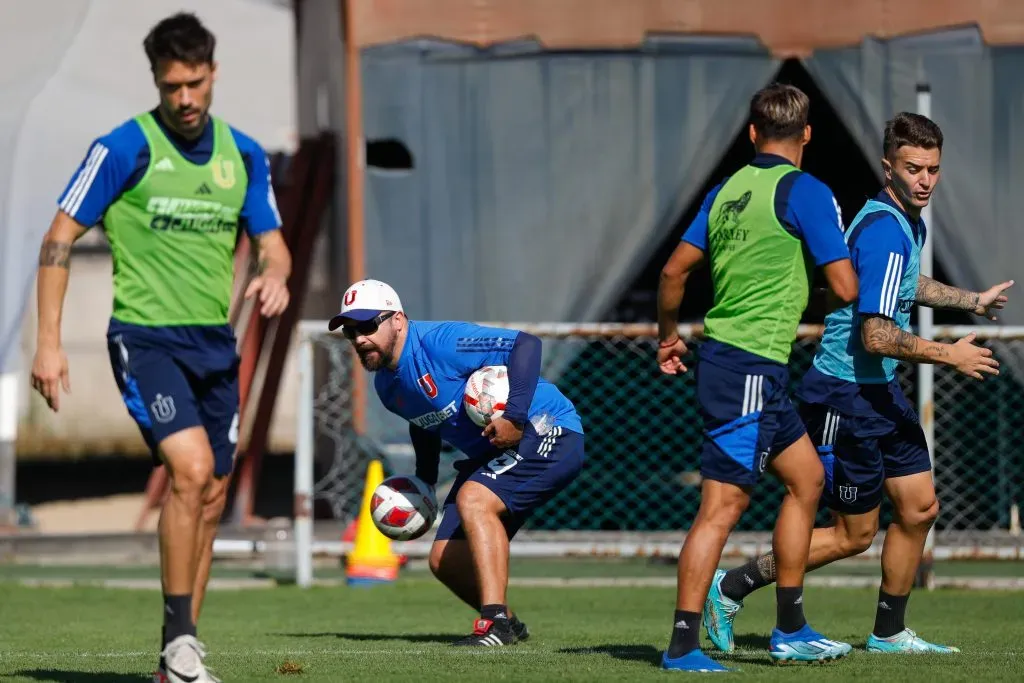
178,617
494,612
741,581
892,610
685,634
789,609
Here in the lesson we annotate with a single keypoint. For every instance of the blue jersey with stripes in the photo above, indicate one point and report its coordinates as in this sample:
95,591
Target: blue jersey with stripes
428,385
804,206
116,162
885,247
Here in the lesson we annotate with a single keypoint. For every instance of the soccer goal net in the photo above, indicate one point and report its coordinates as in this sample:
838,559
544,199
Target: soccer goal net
639,490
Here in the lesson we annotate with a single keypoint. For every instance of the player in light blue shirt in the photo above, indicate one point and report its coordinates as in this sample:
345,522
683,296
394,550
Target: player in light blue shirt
515,464
867,434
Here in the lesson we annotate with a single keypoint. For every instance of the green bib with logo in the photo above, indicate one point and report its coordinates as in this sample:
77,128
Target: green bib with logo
173,235
759,270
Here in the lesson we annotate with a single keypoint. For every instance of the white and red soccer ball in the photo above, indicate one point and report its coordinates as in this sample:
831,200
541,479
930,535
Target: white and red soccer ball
486,394
403,507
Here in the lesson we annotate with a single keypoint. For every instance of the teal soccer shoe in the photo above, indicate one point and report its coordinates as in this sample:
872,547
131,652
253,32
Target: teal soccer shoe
906,641
719,613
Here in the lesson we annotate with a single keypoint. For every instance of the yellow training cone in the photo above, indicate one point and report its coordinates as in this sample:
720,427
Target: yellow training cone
371,560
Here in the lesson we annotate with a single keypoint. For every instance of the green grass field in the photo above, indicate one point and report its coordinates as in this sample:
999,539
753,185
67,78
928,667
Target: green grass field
401,632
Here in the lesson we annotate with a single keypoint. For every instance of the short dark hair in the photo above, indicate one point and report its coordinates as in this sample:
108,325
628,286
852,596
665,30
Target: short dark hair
779,111
907,129
181,37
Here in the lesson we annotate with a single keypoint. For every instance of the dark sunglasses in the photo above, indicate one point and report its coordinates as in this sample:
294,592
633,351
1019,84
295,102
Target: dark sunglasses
367,327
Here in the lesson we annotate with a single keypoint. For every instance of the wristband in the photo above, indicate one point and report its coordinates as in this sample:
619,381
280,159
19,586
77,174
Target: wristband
665,345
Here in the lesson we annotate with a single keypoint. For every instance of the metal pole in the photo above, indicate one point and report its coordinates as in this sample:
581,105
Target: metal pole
355,165
304,467
8,437
926,371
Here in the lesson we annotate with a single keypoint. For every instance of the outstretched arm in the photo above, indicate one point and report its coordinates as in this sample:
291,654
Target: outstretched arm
937,295
884,337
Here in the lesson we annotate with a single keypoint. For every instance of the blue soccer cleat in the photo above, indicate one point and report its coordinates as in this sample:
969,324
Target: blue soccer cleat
719,613
906,641
694,661
806,645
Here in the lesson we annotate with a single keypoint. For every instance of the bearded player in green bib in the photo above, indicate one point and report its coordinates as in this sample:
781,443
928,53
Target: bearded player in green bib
171,188
763,230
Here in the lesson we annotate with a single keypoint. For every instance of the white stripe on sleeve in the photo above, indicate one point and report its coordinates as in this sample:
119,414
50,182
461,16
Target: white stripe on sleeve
83,183
891,285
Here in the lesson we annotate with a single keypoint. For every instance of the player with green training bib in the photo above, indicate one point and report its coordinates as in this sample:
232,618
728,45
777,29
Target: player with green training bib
171,188
763,230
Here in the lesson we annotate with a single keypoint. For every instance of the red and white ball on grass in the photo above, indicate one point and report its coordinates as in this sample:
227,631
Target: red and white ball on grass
403,507
486,394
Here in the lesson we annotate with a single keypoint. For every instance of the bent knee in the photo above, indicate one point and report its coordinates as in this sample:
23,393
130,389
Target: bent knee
193,477
810,488
435,558
809,485
214,502
724,510
856,541
475,499
923,515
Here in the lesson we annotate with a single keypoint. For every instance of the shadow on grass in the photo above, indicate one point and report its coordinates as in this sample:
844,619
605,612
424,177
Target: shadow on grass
374,637
626,653
56,676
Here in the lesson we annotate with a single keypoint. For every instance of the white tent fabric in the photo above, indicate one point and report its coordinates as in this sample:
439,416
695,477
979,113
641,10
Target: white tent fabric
74,69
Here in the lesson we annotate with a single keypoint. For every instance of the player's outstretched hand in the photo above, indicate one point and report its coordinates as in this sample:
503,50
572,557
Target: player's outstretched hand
972,360
670,356
273,293
503,433
50,374
993,299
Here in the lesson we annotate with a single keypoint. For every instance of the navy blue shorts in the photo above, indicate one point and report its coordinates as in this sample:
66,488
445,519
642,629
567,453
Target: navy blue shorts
748,419
169,386
860,451
524,478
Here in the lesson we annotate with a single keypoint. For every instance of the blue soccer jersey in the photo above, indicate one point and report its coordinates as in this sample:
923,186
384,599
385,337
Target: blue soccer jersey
428,385
885,248
804,206
856,414
116,162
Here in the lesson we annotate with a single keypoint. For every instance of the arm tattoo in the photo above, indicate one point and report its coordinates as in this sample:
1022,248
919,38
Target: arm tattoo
55,254
937,295
259,260
262,262
883,337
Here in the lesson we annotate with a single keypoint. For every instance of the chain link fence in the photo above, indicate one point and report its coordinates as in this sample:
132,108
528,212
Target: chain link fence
643,434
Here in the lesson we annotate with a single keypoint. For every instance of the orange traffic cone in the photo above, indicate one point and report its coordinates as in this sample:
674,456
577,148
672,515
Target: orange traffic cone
372,560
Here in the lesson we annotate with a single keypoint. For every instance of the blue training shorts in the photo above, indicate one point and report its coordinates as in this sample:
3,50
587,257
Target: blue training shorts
169,383
524,478
748,417
860,451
